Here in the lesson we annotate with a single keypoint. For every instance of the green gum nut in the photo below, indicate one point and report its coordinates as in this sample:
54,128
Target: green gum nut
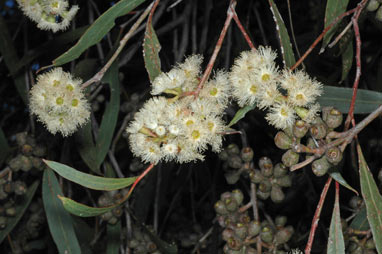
266,234
240,230
220,208
231,204
319,130
300,128
224,155
266,166
333,155
254,228
277,195
232,177
282,140
280,170
235,162
372,5
284,181
238,196
332,117
290,158
233,149
265,185
246,154
283,235
321,166
244,218
280,221
263,195
234,243
227,234
256,176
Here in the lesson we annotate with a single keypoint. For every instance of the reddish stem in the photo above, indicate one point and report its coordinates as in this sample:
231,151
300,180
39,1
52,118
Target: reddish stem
147,170
316,217
218,46
242,29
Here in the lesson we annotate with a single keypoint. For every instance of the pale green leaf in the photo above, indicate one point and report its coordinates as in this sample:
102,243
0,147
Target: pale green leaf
336,175
240,114
336,243
82,210
151,48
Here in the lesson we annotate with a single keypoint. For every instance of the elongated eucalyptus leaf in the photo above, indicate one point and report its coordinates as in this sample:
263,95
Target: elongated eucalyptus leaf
113,238
151,48
59,221
8,51
360,220
87,148
336,243
4,147
82,210
286,46
98,30
333,9
336,175
89,181
20,207
372,198
340,98
241,114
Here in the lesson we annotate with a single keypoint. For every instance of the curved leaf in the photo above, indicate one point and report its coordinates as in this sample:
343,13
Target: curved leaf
82,210
336,243
20,210
113,238
97,30
340,98
336,175
333,9
59,221
240,114
372,198
151,48
286,46
89,181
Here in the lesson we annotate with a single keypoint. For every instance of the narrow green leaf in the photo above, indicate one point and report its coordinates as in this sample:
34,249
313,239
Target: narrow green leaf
86,147
286,46
347,60
89,181
340,98
85,234
10,57
360,220
59,221
4,147
240,114
372,198
110,116
334,8
336,175
336,243
97,30
20,210
151,48
82,210
113,238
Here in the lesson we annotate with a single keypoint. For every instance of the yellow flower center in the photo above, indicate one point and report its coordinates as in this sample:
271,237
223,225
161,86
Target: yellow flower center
211,126
61,120
69,88
74,102
60,101
265,77
283,112
195,134
56,83
253,89
299,97
189,122
213,91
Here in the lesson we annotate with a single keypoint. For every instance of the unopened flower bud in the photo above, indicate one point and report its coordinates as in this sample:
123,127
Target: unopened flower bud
238,196
227,233
263,195
223,155
39,151
290,158
19,187
231,204
240,230
256,176
254,228
266,234
21,138
280,221
321,166
10,211
332,117
26,149
234,243
334,155
283,235
26,163
282,140
277,195
300,128
233,149
356,202
265,185
372,5
284,181
266,166
280,170
247,154
244,218
319,130
235,162
220,208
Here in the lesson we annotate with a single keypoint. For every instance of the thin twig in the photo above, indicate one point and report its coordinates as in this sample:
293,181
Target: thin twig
98,76
242,29
336,40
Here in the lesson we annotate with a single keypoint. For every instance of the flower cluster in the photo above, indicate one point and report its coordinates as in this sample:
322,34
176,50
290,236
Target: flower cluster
180,127
59,102
49,14
256,79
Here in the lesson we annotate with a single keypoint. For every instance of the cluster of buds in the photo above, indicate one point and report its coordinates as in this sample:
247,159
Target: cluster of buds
30,154
375,6
271,179
176,126
141,243
319,133
240,232
108,199
286,95
9,194
59,102
49,14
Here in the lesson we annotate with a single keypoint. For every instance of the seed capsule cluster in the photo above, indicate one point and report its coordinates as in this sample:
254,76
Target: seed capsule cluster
375,6
240,231
317,134
141,243
108,199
